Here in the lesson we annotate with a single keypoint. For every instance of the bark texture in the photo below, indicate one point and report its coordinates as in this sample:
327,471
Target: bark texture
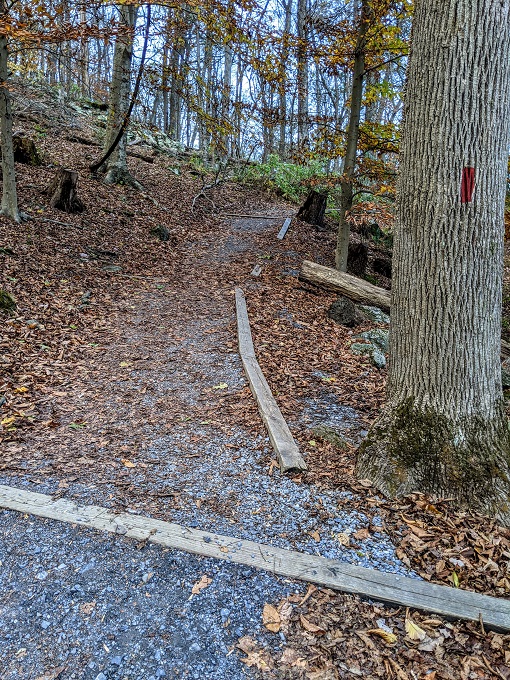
116,166
63,192
9,206
443,430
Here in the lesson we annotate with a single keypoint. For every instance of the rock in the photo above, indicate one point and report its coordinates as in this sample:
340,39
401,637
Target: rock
378,337
378,358
345,312
330,435
505,374
161,232
376,355
7,302
375,314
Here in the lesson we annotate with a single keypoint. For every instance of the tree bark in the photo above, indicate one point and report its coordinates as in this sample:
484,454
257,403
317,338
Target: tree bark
355,289
116,166
302,74
314,208
443,430
63,192
9,206
342,247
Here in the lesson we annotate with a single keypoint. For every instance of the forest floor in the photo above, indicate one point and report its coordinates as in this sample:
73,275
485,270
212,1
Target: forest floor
121,385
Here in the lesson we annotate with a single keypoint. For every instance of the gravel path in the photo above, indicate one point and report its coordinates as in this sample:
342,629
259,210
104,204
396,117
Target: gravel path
98,606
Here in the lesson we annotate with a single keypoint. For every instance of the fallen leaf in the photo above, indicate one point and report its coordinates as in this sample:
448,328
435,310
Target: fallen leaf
361,534
87,607
414,632
389,638
311,627
128,463
271,619
204,582
53,674
315,535
343,538
220,386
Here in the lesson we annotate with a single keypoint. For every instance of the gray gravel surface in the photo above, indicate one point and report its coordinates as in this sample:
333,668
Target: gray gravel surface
101,608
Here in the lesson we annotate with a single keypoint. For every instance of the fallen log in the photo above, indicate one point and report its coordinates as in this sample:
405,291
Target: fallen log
353,288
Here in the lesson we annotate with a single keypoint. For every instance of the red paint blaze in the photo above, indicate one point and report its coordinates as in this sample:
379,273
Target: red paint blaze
467,185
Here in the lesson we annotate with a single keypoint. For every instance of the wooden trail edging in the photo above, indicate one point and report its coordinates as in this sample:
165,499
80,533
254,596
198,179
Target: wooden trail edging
450,602
282,440
284,228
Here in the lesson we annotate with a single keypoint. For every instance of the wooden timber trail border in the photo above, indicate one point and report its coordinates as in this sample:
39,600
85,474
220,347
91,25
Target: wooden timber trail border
281,437
409,592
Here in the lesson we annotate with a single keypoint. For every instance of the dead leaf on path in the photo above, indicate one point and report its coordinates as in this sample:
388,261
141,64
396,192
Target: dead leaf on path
315,535
224,549
290,657
87,607
204,582
343,538
256,659
389,638
414,632
361,534
246,644
53,674
271,619
128,463
311,627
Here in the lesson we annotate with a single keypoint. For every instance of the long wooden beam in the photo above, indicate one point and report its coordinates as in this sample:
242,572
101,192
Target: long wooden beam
281,437
408,592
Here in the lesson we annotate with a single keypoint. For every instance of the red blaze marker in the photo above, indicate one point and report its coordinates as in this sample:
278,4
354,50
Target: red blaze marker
467,185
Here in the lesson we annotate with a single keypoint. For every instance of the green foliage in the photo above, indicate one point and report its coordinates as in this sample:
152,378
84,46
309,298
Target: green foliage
7,302
289,180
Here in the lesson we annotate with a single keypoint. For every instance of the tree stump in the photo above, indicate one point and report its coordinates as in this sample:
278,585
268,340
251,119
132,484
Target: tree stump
63,192
25,151
357,259
313,209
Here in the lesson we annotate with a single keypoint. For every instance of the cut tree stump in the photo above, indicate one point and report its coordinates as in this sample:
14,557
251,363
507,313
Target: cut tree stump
286,449
313,209
355,289
63,192
357,259
379,586
25,150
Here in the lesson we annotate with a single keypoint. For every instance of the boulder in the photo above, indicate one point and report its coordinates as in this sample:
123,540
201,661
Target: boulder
345,312
378,337
375,314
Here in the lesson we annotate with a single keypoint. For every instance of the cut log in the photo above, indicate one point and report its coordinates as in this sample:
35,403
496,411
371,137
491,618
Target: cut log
63,192
355,289
313,209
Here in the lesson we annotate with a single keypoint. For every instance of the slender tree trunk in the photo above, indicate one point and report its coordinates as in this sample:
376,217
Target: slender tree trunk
444,430
282,142
302,74
116,166
9,206
342,246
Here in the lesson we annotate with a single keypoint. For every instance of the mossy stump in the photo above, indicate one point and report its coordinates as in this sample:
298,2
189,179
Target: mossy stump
7,302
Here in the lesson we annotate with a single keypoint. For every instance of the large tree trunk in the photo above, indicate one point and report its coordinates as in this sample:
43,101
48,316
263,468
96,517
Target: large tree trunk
116,166
444,430
9,195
